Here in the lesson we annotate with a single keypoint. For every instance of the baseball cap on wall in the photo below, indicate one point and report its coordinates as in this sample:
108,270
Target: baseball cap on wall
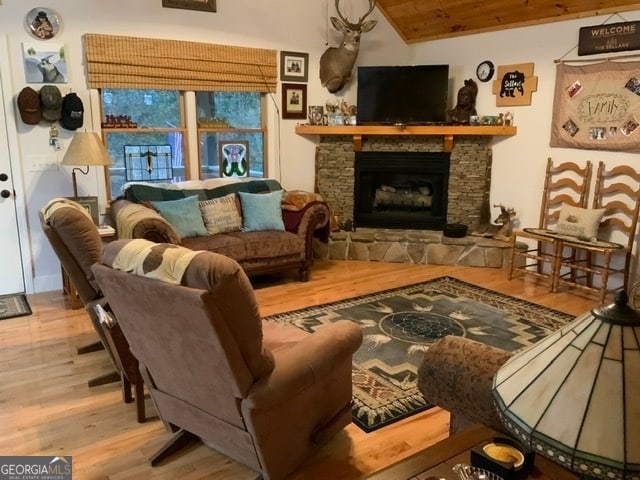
51,103
72,114
29,106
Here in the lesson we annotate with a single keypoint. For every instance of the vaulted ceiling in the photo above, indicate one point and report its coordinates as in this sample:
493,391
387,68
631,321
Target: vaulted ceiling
424,20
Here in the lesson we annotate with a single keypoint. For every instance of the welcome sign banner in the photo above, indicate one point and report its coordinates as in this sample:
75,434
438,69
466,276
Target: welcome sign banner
615,37
597,106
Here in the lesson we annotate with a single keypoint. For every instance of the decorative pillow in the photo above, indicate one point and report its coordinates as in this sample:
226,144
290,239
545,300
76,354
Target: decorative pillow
221,214
183,215
261,211
579,222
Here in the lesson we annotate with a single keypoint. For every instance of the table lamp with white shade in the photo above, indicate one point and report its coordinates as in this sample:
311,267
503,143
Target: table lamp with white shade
86,149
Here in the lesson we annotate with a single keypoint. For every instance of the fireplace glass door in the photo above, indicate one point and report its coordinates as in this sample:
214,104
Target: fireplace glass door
404,190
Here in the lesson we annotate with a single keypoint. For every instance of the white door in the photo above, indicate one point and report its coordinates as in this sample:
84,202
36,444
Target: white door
11,273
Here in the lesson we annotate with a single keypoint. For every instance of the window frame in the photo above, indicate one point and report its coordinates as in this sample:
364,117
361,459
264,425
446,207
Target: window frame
191,134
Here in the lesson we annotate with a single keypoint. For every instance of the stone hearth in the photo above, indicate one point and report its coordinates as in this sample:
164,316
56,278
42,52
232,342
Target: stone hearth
413,246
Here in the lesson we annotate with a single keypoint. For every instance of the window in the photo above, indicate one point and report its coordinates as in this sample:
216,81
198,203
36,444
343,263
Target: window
225,118
145,133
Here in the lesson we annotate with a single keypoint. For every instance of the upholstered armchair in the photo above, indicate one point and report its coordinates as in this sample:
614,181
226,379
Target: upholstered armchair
77,244
262,393
456,374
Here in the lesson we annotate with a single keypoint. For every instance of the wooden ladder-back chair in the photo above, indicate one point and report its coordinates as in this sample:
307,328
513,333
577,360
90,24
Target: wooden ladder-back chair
617,191
533,251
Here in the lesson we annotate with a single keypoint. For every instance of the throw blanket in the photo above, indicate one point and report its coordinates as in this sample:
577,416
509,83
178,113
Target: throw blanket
130,215
295,202
60,202
161,261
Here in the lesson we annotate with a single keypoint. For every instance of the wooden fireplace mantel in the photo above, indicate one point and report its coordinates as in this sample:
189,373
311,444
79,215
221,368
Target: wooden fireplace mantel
448,132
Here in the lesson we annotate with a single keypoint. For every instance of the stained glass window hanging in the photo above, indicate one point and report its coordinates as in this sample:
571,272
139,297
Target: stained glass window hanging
148,162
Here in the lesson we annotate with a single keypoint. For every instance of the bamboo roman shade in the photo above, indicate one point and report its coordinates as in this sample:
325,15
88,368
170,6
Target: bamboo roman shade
130,62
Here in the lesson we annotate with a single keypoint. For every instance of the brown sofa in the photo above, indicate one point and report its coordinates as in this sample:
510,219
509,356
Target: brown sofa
258,252
265,394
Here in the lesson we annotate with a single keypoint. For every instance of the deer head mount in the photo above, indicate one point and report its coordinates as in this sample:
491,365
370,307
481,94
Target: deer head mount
336,63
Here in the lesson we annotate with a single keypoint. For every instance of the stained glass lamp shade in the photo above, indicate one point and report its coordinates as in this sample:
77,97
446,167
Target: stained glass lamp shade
574,397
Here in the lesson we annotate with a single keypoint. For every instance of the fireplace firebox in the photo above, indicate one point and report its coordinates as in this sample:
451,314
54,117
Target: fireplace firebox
405,190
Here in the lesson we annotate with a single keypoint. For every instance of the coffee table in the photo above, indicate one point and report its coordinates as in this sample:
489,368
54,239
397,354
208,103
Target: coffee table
439,459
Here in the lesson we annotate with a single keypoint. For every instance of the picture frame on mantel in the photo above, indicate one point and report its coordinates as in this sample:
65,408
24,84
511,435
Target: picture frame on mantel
200,5
294,100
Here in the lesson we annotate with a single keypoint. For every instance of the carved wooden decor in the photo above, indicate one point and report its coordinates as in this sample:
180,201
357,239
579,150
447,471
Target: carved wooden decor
514,85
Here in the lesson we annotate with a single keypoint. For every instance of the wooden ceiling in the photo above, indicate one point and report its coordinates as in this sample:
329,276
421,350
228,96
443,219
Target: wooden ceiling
423,20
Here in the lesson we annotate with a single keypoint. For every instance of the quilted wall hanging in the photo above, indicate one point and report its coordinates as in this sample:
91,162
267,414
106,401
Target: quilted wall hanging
597,106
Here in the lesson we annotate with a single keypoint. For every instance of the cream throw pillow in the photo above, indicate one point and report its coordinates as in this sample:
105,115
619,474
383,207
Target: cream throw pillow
221,215
580,222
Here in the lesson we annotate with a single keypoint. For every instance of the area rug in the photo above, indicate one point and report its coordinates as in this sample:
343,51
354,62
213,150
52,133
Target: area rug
399,325
12,306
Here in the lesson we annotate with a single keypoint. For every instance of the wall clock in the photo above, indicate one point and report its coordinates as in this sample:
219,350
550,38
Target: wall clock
485,70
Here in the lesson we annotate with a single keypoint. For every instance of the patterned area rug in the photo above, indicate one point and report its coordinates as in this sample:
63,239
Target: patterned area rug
14,306
400,324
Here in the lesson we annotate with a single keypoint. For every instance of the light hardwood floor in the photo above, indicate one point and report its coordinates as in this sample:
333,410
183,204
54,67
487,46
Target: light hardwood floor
47,408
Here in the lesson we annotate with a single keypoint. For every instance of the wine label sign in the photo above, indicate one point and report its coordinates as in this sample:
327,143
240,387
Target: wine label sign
614,37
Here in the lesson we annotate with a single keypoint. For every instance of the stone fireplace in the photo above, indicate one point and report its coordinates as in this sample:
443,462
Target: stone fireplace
465,194
468,177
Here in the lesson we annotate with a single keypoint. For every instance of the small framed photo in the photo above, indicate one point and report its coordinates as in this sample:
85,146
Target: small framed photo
294,67
294,100
201,5
90,204
233,156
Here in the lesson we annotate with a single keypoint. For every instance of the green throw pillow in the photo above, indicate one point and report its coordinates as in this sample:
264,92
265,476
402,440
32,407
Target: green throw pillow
261,211
183,215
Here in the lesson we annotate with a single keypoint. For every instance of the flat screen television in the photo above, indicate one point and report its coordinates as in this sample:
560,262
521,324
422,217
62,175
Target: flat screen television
410,95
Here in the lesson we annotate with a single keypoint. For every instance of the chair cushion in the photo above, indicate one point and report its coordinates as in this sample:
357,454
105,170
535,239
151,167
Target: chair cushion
579,222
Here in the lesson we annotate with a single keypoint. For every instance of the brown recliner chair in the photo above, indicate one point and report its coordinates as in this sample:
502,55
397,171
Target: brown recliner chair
264,394
77,244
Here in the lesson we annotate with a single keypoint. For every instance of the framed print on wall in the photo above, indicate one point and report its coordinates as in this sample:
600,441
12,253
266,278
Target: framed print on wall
202,5
294,67
44,62
294,100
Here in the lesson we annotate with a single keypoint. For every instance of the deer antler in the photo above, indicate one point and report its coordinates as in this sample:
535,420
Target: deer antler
372,4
